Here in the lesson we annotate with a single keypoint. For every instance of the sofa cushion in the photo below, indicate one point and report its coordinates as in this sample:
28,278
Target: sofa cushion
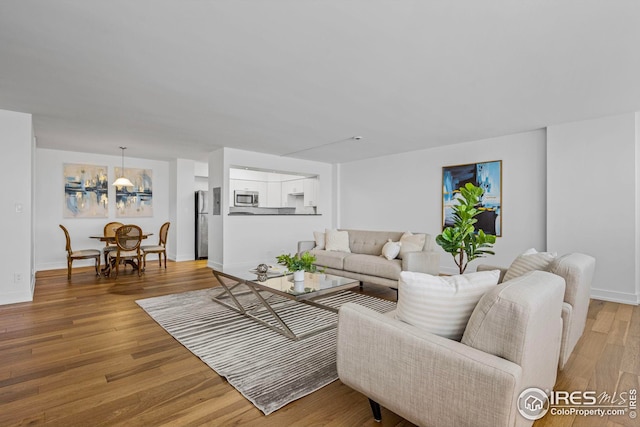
373,265
336,240
318,237
530,260
390,250
441,305
331,259
411,243
370,242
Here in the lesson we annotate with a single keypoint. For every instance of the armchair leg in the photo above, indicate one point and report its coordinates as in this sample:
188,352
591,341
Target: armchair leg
375,408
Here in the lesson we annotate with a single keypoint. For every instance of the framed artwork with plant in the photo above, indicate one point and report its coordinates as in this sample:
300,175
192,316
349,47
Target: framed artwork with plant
485,175
462,239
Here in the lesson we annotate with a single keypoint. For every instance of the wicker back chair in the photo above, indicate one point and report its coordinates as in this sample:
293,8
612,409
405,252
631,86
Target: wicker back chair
160,248
110,230
109,245
128,238
81,254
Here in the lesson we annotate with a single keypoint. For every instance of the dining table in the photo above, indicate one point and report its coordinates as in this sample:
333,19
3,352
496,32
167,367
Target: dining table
111,240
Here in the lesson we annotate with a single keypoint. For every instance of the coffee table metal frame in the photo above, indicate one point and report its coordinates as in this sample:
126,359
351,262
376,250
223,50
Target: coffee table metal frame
255,287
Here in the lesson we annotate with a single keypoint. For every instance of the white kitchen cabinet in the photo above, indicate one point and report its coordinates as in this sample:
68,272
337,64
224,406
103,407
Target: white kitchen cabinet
274,194
293,186
310,187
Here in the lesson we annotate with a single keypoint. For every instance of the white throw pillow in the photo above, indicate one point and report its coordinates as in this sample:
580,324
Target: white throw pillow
442,305
390,250
337,241
411,243
529,260
318,236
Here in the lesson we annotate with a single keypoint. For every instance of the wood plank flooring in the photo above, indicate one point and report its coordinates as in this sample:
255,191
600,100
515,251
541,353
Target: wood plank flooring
84,354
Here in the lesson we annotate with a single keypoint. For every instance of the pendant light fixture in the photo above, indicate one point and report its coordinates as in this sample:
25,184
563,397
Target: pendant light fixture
122,181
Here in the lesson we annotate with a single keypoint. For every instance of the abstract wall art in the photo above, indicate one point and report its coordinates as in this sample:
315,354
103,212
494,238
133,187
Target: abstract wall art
85,191
487,175
136,201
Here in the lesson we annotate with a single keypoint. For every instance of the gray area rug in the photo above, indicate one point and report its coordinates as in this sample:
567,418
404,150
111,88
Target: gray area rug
269,369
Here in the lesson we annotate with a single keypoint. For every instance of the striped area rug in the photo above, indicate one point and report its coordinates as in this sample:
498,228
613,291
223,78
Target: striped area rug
269,369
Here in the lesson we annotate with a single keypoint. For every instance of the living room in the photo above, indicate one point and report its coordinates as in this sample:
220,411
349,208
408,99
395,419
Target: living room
570,154
539,170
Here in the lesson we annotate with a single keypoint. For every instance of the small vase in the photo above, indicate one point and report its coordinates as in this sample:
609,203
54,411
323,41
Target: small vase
298,286
298,276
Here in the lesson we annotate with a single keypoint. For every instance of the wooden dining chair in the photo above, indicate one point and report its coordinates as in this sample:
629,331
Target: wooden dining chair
160,248
110,231
128,239
81,254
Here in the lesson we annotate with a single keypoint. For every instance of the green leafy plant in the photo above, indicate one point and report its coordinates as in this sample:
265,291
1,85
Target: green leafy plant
462,241
297,263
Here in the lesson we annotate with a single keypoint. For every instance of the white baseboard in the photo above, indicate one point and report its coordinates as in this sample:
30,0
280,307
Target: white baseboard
212,264
16,297
613,296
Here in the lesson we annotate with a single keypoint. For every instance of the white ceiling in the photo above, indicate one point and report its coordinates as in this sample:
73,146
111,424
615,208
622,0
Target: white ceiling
182,78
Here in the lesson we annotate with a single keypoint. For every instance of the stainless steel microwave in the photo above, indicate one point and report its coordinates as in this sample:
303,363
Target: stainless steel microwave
245,198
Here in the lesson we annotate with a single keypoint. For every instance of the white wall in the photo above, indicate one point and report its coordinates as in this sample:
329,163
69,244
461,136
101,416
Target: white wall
16,165
217,178
593,199
404,192
49,191
250,239
201,171
180,245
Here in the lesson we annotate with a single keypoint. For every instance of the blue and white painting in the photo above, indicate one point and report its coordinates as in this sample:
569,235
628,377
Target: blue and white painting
136,201
487,175
85,191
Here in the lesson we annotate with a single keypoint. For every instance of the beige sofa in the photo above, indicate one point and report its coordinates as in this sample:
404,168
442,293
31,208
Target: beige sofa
511,343
577,269
365,263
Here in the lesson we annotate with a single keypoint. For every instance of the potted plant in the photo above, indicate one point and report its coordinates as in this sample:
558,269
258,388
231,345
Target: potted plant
298,264
462,241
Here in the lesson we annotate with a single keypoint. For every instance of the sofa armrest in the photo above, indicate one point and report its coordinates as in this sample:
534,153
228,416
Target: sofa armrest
421,262
305,246
487,267
421,376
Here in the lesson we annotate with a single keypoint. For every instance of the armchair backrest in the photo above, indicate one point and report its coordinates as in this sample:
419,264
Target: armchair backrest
577,270
520,321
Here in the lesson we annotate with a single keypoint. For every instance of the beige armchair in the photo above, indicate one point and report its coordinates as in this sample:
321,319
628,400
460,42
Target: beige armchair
511,343
577,269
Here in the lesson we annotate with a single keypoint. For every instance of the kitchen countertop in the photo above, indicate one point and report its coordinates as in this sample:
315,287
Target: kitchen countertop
235,210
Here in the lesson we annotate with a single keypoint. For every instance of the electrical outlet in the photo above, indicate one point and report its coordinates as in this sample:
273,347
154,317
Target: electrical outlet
17,278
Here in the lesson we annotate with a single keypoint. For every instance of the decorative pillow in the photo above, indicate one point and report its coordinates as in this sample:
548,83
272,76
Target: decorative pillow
337,241
390,250
318,236
411,243
442,305
529,260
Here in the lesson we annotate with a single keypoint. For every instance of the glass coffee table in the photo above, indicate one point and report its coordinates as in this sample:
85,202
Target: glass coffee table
271,289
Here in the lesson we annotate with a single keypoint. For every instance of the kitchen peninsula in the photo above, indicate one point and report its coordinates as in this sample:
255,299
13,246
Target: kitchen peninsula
268,211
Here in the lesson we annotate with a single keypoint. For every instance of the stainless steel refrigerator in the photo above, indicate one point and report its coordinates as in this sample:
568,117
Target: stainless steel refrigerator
202,229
